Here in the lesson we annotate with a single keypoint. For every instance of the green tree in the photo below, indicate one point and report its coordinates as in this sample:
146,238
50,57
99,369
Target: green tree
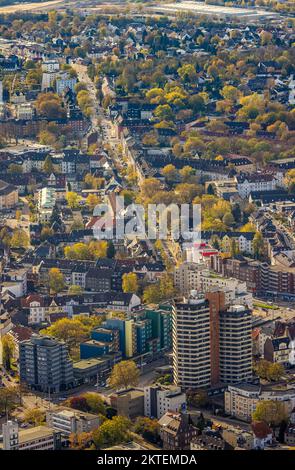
9,399
170,172
56,280
197,104
46,232
112,432
268,370
187,192
231,93
275,371
49,105
8,349
186,173
80,86
187,73
111,251
164,112
148,428
270,411
80,441
166,287
48,165
75,290
152,294
124,375
95,403
228,219
149,187
19,239
199,399
258,245
71,331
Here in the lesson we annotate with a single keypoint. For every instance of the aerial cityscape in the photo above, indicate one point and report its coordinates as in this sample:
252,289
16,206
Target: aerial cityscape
147,215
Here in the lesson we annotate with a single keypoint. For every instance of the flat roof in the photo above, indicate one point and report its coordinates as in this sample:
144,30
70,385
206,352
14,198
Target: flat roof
85,363
27,435
215,10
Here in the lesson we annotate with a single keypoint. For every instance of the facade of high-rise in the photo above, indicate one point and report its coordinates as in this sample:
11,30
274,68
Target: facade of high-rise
191,342
212,343
216,304
127,334
235,344
45,364
161,318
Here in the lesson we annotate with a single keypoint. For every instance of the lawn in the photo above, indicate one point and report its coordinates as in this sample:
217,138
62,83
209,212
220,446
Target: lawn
266,306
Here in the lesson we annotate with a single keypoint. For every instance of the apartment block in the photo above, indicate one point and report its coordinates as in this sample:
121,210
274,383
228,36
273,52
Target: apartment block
159,400
235,343
241,400
212,343
191,342
45,364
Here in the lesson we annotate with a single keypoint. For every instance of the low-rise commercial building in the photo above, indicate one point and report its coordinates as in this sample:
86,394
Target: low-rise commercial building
68,421
129,403
37,438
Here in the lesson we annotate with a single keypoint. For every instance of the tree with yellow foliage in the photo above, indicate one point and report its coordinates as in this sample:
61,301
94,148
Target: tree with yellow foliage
73,199
56,280
125,374
92,200
130,283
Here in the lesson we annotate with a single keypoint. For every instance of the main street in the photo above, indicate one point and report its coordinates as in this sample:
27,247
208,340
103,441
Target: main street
100,123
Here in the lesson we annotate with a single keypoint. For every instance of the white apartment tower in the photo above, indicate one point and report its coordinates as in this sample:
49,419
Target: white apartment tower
212,342
235,344
191,342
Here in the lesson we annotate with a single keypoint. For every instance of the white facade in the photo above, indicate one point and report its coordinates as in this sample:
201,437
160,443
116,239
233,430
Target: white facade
264,183
292,90
70,421
166,399
48,79
24,111
15,287
10,435
63,83
50,66
37,313
193,276
191,342
241,401
46,198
